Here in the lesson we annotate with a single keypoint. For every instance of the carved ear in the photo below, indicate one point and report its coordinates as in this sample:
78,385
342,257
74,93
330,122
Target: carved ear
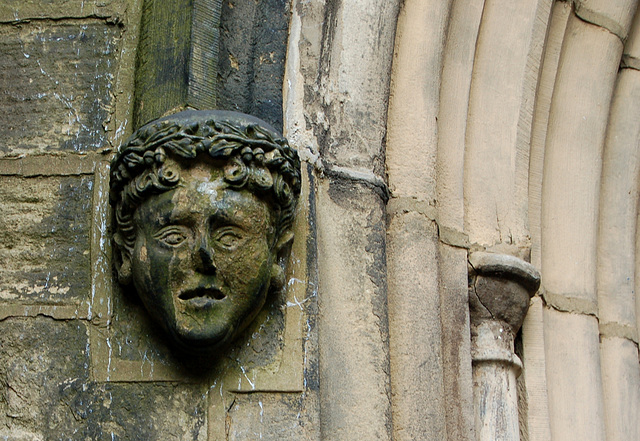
281,251
122,259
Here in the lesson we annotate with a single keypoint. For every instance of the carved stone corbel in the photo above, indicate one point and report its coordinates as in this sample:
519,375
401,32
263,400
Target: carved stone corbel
500,287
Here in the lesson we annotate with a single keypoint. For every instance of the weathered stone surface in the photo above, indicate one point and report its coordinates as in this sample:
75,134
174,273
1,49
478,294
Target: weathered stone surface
499,121
253,45
39,359
138,350
272,417
226,55
500,287
619,204
560,13
457,70
621,383
49,395
412,136
173,43
495,367
632,46
352,325
617,232
536,418
44,238
348,88
574,376
16,10
456,77
55,82
49,165
415,331
456,351
579,112
573,159
136,411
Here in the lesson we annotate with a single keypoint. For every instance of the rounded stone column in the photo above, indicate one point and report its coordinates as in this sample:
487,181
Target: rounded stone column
500,287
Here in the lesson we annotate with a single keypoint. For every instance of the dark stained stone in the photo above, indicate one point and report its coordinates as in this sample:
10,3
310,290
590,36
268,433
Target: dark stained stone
55,83
44,238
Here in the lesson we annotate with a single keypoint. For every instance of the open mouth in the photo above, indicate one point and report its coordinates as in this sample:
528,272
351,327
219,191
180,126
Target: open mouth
202,294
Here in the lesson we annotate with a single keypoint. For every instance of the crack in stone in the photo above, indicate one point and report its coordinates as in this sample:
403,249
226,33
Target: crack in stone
475,292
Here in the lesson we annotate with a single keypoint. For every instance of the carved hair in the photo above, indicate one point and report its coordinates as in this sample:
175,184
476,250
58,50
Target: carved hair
253,155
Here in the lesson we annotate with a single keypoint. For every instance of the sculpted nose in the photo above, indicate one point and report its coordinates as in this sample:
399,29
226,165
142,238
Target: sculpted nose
205,261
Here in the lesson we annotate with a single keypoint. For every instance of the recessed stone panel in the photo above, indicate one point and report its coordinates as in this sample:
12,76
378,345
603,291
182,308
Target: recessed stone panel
44,239
55,82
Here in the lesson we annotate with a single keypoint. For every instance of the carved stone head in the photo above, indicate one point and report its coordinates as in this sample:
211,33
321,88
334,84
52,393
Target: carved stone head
204,203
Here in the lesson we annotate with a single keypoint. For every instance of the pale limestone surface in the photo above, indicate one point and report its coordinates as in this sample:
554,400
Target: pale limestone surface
570,196
499,122
534,373
576,407
616,253
457,66
412,236
347,110
573,159
616,16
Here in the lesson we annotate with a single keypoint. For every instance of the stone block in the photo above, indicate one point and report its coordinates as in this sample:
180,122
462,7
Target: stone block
587,72
352,88
501,98
252,56
272,417
412,125
135,411
415,328
621,383
574,376
55,82
619,205
44,239
39,359
456,350
17,10
49,395
352,324
535,416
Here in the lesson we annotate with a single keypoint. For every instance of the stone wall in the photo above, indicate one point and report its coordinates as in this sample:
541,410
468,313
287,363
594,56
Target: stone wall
428,130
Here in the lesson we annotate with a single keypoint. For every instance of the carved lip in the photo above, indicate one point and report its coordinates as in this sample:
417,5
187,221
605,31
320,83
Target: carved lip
201,296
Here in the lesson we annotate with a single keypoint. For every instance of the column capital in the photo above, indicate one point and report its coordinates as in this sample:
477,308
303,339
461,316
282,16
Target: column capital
500,286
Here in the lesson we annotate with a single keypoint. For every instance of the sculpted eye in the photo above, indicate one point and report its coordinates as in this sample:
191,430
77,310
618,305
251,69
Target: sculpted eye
172,236
229,238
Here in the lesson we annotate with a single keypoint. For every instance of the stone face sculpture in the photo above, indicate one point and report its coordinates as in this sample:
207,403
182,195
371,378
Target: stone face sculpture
204,203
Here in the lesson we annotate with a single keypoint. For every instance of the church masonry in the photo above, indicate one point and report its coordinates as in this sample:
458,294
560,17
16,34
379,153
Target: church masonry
452,152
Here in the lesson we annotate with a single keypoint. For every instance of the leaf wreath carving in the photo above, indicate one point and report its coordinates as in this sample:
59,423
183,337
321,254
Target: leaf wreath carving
252,155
